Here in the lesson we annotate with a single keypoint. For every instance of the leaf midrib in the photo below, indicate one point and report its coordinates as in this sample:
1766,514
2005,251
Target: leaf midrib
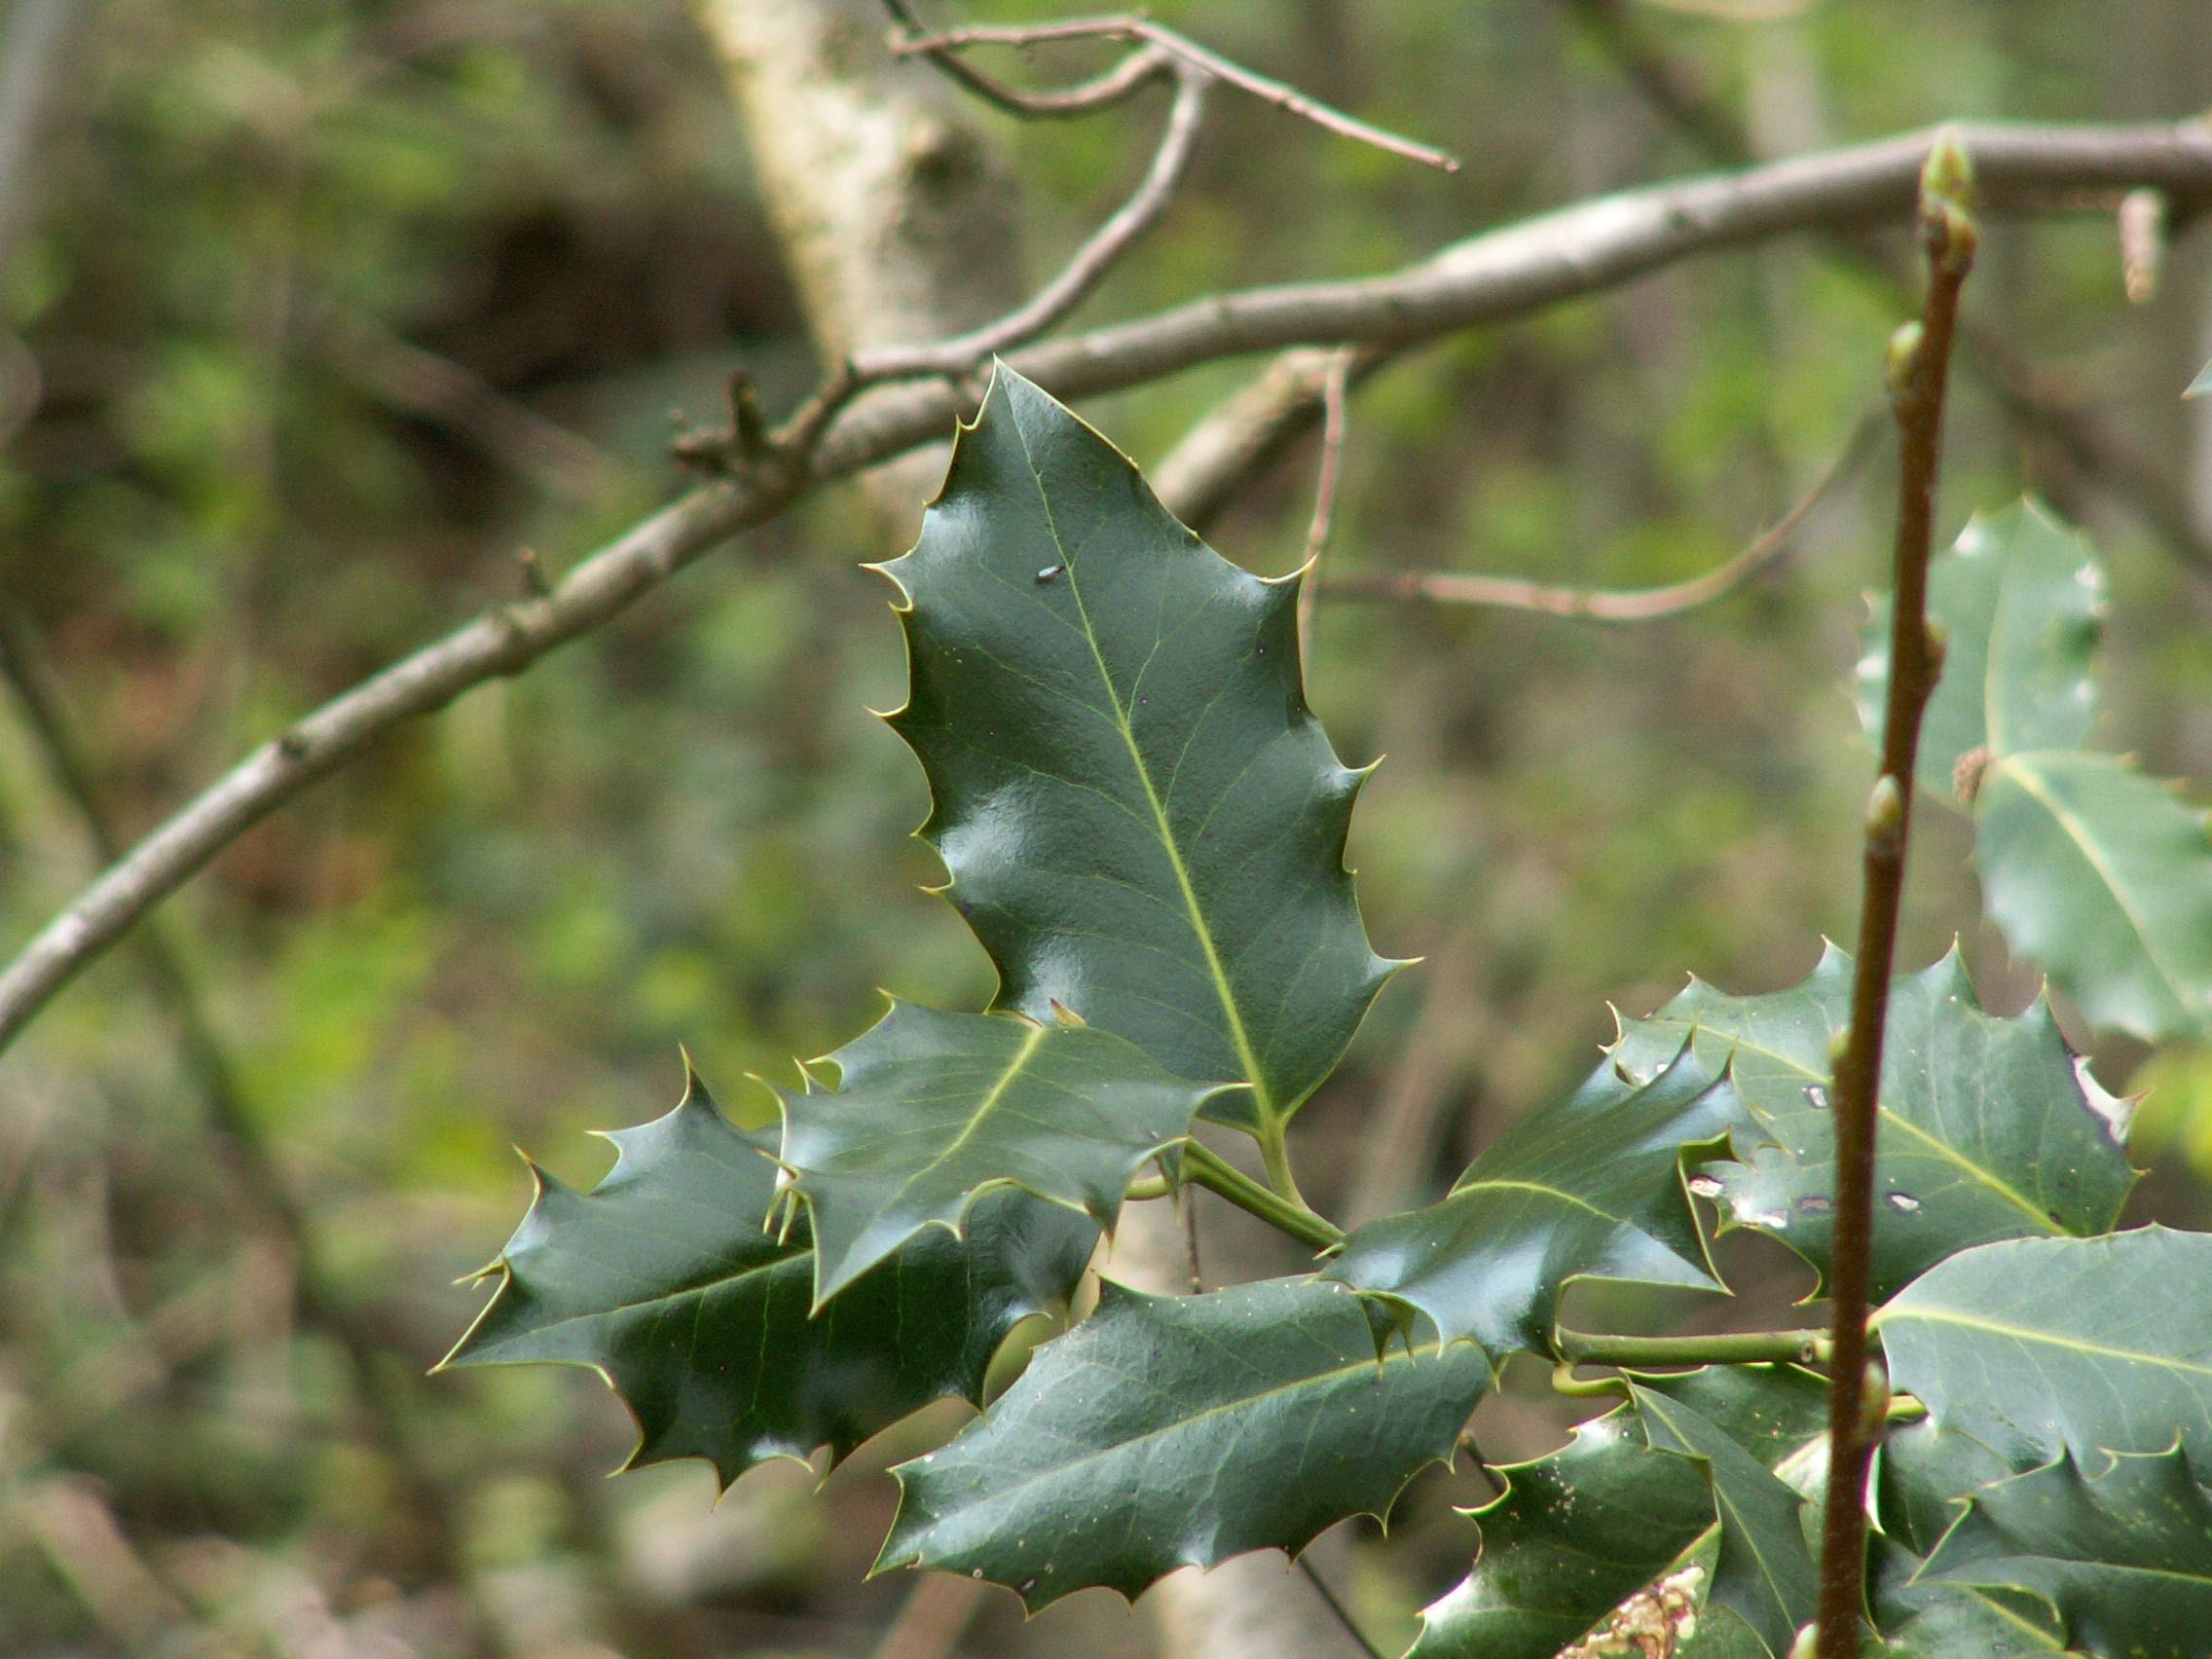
1246,1402
1768,1579
1240,1039
1942,1148
1030,1039
2019,769
2023,1333
704,1287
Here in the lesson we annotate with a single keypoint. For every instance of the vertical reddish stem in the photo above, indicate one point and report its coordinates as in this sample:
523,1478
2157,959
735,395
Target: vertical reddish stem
1919,366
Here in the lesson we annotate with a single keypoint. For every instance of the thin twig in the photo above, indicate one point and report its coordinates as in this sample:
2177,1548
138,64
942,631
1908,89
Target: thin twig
1335,394
1616,605
963,354
1919,371
1188,1205
1082,274
938,1609
1220,456
1343,1613
1138,29
1134,70
1510,272
2079,439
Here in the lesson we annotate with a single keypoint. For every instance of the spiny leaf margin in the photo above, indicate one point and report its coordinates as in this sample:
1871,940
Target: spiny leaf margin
934,1110
1067,639
748,1376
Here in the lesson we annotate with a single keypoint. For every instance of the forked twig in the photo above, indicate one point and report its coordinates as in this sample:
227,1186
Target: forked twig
1140,31
1159,52
1056,103
1510,271
963,354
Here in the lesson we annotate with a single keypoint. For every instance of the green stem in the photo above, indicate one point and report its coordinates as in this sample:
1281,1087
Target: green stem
1210,1170
1275,1154
1726,1348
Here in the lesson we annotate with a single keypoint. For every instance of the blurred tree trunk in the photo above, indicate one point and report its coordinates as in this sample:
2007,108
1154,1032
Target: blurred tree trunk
899,226
896,216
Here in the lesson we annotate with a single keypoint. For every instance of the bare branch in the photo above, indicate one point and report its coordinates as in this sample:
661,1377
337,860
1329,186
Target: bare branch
964,353
1505,272
1335,391
1139,29
1218,457
2077,437
1617,605
1096,93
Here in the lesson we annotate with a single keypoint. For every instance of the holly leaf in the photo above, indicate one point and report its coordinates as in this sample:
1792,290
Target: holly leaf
663,1280
1578,1532
1990,1129
1923,1476
2202,384
1177,1431
1921,1619
2088,867
1589,1188
2038,1347
2105,877
1764,1573
932,1110
1142,820
2124,1554
2022,599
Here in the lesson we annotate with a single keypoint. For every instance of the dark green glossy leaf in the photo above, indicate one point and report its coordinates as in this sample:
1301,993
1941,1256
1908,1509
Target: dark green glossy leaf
1590,1186
1175,1431
1143,820
663,1281
1579,1531
2091,870
2022,599
2042,1346
1926,1620
1923,1477
931,1110
1990,1128
1764,1573
2123,1552
2105,877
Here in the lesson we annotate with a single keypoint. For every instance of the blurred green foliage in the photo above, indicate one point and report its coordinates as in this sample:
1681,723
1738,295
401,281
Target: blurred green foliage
325,311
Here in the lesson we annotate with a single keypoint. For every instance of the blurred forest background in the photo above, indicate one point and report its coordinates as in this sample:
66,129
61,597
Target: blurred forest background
319,313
